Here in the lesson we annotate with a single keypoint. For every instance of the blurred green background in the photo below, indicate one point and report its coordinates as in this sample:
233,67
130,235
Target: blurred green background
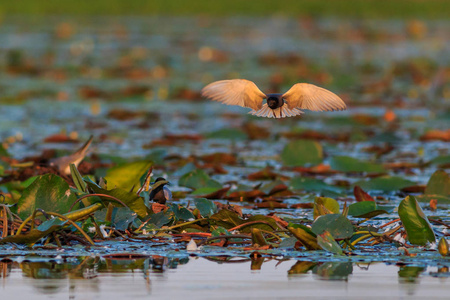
355,8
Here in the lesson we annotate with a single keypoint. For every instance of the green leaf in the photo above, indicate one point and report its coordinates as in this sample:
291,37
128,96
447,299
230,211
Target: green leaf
181,213
198,179
133,201
441,160
159,219
204,191
326,241
443,247
312,184
257,237
226,219
350,164
123,217
416,224
77,179
232,134
219,231
337,225
262,226
50,223
439,184
305,236
365,209
384,183
302,152
48,192
127,176
328,203
206,207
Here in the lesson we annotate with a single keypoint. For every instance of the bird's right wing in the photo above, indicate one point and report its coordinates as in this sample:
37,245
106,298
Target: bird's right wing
235,92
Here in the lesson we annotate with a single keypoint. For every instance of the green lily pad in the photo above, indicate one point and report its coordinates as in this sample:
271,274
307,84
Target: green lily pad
159,219
337,225
385,183
441,160
327,242
198,179
302,152
206,207
416,224
439,184
48,192
305,236
312,184
365,209
231,134
181,213
226,219
127,176
350,164
328,203
133,201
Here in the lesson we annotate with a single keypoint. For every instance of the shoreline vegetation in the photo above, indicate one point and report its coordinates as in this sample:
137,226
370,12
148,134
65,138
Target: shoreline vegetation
434,9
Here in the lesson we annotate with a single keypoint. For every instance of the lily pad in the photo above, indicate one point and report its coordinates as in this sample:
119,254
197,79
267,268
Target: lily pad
365,209
385,183
416,224
337,225
305,236
206,207
127,176
350,164
312,184
48,192
198,179
327,242
324,205
302,152
439,184
182,213
133,201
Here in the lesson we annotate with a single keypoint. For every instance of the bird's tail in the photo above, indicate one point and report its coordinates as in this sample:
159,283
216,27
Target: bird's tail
281,112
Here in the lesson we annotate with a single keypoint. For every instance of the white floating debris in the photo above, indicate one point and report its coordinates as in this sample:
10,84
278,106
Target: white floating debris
191,246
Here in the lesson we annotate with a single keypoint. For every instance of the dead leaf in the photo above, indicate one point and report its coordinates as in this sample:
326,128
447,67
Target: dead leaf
433,204
361,195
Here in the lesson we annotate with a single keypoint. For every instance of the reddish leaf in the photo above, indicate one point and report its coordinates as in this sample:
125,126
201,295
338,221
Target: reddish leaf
303,205
220,158
60,138
219,194
361,195
156,207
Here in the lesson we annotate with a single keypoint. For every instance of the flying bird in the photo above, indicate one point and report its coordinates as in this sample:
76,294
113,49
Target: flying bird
300,96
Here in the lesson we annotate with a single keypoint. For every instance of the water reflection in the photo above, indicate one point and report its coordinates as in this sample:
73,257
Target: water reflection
144,275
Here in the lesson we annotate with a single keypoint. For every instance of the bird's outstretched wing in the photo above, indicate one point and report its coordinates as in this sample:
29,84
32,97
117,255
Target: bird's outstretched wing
235,92
311,97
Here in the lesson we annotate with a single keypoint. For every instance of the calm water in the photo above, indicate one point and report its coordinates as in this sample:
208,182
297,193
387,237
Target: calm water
158,277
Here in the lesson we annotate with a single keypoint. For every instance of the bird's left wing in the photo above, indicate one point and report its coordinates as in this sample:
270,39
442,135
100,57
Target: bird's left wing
312,97
235,92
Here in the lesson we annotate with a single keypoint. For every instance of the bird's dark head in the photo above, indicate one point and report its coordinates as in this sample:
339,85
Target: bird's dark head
274,101
160,179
